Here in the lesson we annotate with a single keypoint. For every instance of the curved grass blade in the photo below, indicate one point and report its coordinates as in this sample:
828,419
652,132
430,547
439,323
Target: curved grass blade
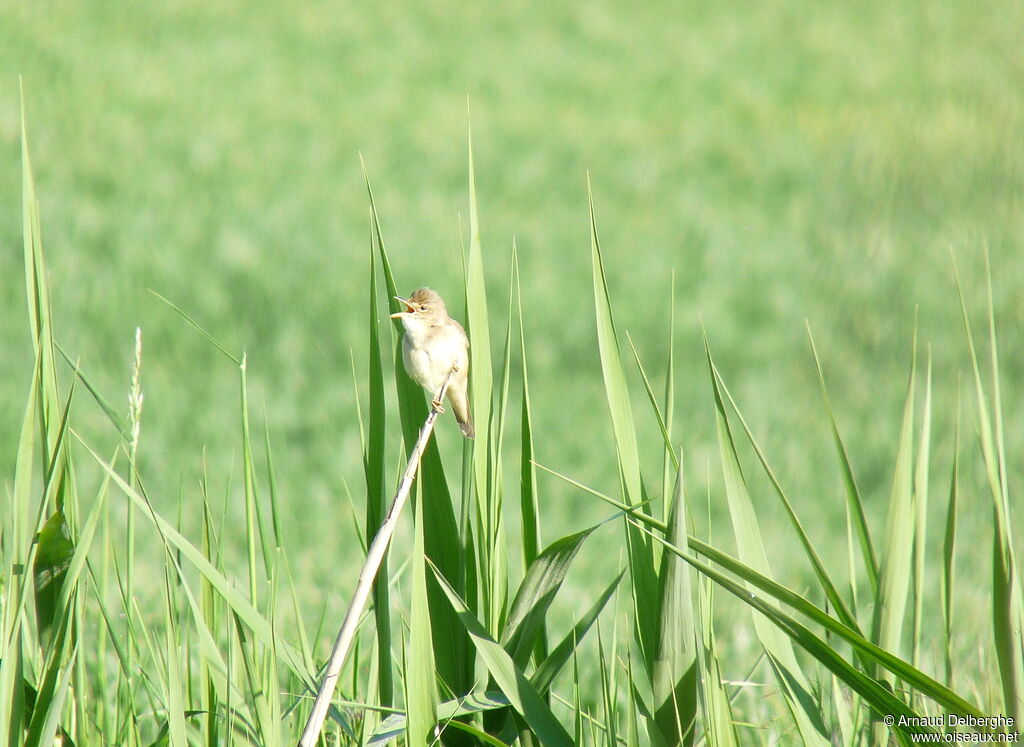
652,398
853,499
476,702
545,674
788,672
513,683
834,597
536,593
910,675
880,698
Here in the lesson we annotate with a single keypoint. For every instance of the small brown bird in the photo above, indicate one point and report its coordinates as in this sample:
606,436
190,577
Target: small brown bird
433,345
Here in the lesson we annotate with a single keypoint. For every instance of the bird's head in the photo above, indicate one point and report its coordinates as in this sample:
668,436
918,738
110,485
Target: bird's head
424,308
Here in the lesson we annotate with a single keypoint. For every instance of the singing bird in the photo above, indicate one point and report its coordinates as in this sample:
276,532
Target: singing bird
433,345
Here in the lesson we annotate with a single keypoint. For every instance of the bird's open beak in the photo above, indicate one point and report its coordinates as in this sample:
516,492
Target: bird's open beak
409,308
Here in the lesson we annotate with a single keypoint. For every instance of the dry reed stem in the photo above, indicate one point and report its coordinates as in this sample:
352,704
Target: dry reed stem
374,556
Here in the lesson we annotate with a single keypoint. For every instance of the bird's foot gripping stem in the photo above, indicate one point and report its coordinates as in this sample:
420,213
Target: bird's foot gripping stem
436,404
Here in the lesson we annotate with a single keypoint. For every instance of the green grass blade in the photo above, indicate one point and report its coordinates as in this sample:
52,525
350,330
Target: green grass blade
879,697
18,536
831,592
653,399
529,509
669,402
491,554
897,560
641,556
794,684
37,293
675,668
241,606
949,554
544,676
58,663
716,707
199,328
536,593
475,702
911,675
853,498
254,535
478,330
175,693
115,418
920,504
513,683
1007,604
443,544
376,490
420,684
50,731
533,599
609,694
612,370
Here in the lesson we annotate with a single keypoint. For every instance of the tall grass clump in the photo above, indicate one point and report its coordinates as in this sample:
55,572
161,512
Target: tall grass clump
467,639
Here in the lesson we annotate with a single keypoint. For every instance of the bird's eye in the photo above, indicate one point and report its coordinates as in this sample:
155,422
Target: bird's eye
423,308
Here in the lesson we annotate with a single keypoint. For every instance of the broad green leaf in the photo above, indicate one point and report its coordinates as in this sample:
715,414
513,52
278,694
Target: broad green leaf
513,683
475,702
551,667
54,553
536,593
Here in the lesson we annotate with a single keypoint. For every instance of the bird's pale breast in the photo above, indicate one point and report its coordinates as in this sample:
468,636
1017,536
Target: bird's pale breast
429,357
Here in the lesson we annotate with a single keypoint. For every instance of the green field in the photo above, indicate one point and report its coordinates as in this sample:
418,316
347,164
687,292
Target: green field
788,162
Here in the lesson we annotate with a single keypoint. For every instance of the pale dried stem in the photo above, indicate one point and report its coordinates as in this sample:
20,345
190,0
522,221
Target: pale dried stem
374,556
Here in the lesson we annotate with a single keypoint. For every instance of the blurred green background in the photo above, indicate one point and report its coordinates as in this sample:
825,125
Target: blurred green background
787,160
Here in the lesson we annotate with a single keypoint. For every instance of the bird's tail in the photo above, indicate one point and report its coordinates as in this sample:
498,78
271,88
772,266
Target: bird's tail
460,408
